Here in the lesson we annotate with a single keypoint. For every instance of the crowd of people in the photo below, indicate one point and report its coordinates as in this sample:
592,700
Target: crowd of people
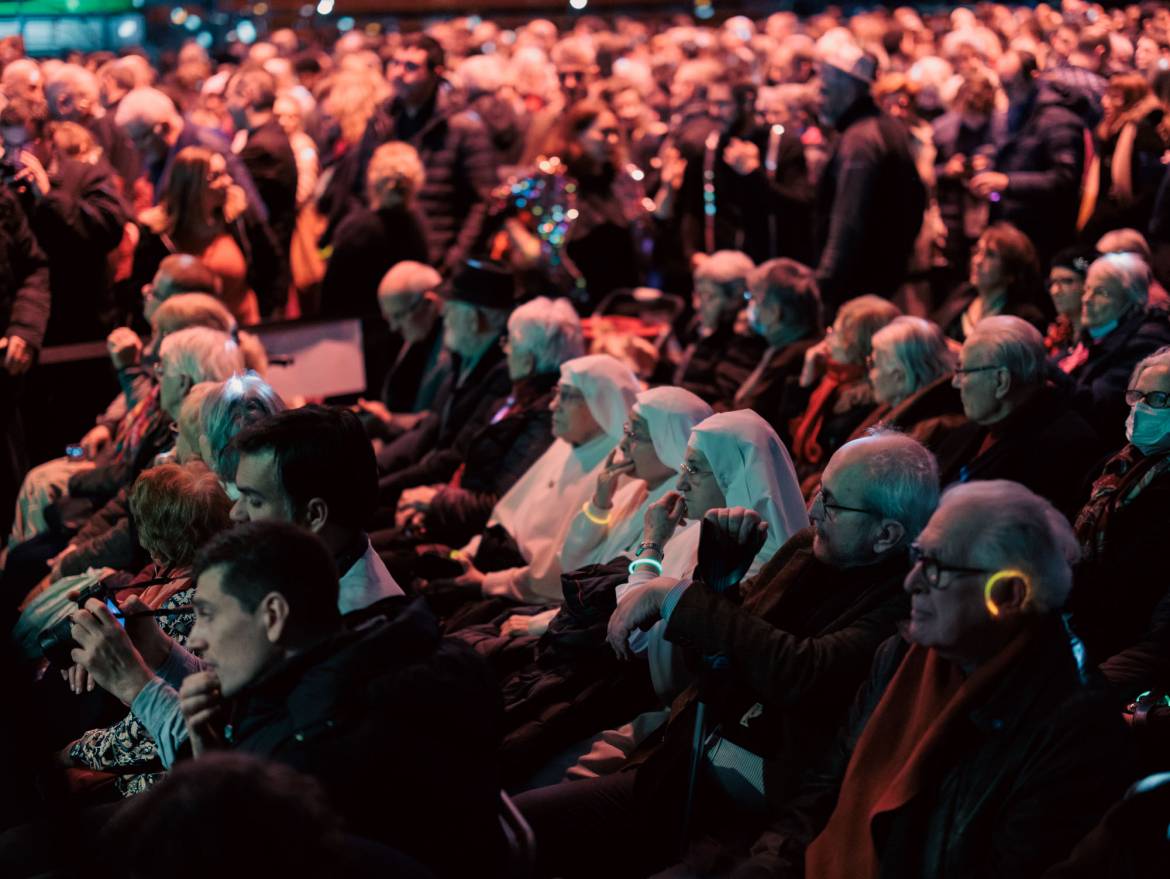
762,472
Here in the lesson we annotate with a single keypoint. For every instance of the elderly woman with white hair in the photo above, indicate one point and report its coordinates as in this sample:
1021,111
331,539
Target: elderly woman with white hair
371,241
910,368
1122,529
454,490
1118,330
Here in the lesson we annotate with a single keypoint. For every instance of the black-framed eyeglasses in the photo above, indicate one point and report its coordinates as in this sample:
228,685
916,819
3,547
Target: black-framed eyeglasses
967,370
821,498
403,313
1153,399
933,569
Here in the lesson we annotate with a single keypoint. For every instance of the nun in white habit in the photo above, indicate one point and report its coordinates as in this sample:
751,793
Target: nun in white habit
636,474
589,410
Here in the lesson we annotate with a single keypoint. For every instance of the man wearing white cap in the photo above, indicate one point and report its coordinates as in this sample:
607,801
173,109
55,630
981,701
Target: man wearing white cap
870,198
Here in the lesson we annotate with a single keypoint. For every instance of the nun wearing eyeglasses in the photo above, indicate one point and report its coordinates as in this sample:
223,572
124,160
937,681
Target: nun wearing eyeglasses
1122,529
518,557
637,475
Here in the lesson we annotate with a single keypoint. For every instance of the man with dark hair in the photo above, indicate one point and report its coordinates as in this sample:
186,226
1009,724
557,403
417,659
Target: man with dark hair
314,467
454,146
264,149
398,724
785,309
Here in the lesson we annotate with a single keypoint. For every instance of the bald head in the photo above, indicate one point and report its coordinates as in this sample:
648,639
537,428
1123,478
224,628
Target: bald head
151,120
178,273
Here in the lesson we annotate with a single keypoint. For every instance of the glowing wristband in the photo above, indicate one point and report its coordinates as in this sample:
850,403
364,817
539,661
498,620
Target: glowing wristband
455,554
587,509
656,565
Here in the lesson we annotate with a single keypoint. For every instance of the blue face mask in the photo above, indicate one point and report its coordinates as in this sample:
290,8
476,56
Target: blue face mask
1102,331
1148,428
753,316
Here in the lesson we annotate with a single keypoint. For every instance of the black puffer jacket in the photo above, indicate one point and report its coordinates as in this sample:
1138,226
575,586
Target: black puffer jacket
460,163
1044,158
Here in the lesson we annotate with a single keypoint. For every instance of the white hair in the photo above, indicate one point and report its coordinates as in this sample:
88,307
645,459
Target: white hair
77,80
918,347
1127,271
900,478
202,354
1010,527
726,267
1015,344
549,329
481,74
1161,357
145,106
533,74
408,278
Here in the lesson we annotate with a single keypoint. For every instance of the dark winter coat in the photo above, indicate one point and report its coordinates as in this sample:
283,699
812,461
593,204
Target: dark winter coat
869,208
400,726
1041,758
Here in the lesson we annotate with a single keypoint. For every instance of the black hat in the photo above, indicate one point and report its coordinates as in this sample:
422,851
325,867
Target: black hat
483,284
1075,259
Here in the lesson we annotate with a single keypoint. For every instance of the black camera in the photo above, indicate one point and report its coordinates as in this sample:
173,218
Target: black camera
56,641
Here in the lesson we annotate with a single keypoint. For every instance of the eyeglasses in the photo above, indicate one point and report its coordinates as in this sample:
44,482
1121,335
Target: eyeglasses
967,370
694,472
630,431
933,569
826,504
569,394
1153,399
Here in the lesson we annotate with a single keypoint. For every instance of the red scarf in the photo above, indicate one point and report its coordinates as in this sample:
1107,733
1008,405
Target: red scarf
901,753
808,427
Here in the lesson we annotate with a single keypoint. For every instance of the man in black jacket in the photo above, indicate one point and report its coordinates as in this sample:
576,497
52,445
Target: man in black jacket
24,314
981,747
870,198
1019,427
477,302
78,218
453,144
264,149
785,310
779,667
398,724
1035,183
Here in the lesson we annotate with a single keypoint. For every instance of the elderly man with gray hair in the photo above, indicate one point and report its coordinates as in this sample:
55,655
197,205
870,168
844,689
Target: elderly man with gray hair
412,308
1019,426
501,440
782,654
159,133
73,95
980,744
717,357
1118,330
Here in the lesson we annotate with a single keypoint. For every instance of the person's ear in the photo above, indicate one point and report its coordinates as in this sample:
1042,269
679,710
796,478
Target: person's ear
1007,593
1003,383
316,515
274,612
890,534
